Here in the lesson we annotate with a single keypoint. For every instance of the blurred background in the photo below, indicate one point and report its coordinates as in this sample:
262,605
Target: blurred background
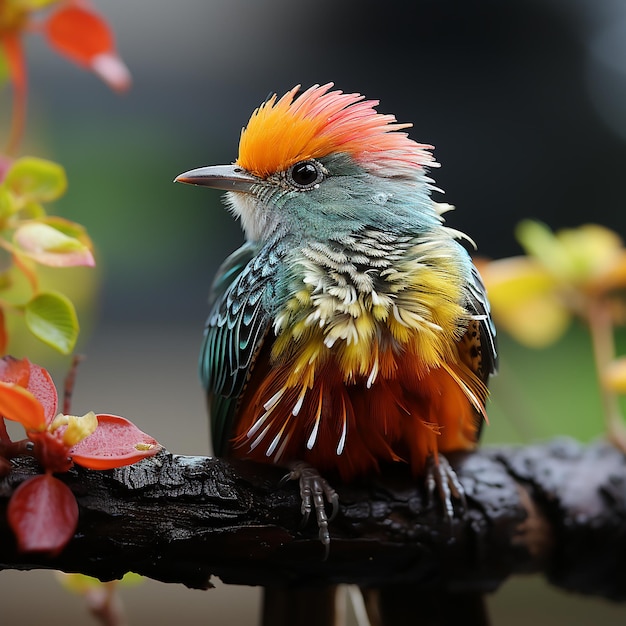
525,101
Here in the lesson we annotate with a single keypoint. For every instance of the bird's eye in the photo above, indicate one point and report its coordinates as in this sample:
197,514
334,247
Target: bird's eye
305,174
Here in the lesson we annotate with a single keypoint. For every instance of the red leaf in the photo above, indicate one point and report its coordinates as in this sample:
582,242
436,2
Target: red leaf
14,370
112,70
79,34
34,379
41,386
19,405
85,38
116,442
43,514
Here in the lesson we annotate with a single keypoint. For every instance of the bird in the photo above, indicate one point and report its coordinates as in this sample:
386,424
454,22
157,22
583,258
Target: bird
351,330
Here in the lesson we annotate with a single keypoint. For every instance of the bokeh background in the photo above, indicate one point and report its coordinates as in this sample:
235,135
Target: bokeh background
525,101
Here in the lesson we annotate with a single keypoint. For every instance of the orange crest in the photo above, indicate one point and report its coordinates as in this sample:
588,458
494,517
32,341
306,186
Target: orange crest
318,122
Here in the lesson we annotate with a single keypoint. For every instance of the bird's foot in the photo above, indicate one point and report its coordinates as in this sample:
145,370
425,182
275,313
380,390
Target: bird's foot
443,480
314,493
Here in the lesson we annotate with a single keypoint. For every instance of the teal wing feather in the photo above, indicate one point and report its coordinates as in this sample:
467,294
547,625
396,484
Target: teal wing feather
234,332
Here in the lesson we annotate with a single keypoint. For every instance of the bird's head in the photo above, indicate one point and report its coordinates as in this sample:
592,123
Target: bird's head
322,161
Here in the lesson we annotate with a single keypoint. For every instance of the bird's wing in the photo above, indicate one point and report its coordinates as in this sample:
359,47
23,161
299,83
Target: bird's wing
234,333
479,306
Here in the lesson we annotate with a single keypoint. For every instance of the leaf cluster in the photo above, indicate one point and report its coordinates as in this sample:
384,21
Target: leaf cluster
42,512
30,238
576,273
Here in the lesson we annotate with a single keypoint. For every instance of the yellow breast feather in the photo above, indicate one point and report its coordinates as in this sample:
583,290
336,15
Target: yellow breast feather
371,317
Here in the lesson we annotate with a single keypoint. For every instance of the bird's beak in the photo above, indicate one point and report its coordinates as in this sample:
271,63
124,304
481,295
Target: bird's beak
227,177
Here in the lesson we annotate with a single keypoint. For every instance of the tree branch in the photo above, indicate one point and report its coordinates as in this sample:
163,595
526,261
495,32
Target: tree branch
557,508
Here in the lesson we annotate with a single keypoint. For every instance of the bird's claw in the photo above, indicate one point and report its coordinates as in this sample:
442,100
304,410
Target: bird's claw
443,480
314,493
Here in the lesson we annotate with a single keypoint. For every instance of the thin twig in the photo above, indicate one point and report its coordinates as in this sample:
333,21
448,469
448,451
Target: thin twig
17,67
70,381
600,323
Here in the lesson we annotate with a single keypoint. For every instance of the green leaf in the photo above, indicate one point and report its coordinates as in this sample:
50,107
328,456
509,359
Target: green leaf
69,228
6,280
7,204
36,180
51,317
33,210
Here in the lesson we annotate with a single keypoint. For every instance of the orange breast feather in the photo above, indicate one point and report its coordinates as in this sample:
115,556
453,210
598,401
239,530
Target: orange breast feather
351,425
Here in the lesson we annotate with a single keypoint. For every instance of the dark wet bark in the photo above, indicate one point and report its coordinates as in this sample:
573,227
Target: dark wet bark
557,508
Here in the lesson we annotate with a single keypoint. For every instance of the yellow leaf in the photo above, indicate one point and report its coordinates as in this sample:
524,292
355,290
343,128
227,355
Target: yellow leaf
83,584
589,257
590,249
525,301
614,376
513,280
613,277
539,242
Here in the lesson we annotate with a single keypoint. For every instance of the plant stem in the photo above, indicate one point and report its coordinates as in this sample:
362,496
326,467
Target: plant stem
17,68
70,380
602,338
105,604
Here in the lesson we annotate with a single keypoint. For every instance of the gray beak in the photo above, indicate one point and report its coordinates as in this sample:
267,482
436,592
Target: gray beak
226,177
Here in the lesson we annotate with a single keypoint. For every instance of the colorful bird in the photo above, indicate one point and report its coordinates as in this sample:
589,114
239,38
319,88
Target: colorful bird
351,330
